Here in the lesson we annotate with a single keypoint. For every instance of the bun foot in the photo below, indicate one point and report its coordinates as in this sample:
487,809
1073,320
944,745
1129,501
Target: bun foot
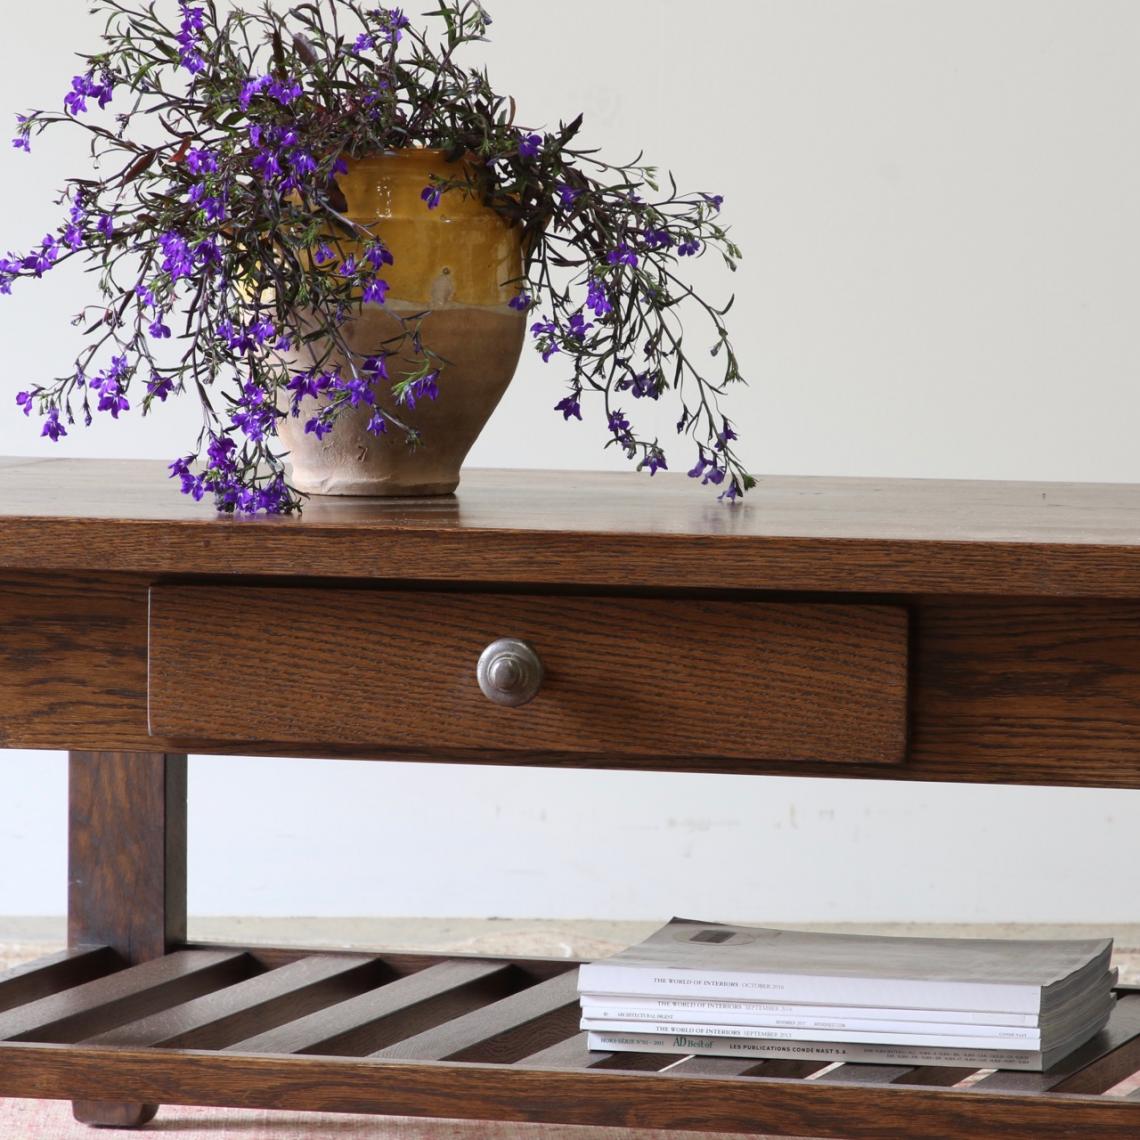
111,1114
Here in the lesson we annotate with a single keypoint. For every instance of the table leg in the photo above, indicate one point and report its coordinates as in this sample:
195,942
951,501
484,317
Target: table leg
127,871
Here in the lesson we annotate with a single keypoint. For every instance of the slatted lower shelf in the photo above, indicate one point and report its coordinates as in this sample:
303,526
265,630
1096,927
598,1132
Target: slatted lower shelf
492,1039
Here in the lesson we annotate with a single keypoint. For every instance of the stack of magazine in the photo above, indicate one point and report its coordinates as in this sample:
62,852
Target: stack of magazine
740,991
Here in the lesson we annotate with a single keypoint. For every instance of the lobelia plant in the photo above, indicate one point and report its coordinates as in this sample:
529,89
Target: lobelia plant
216,220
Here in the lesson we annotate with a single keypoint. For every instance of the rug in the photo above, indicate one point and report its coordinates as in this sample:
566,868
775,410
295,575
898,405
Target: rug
47,1120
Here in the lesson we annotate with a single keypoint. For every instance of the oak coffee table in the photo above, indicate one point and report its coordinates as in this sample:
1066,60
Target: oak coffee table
867,629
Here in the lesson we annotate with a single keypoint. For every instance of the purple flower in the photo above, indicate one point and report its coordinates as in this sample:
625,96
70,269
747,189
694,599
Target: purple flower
732,494
284,91
544,328
376,366
302,163
193,23
111,399
521,303
377,425
348,267
394,21
44,258
220,452
251,88
654,460
214,209
419,388
579,326
569,407
158,330
725,436
73,236
53,429
201,161
24,400
84,87
567,195
431,195
619,425
268,164
714,200
254,419
145,295
597,299
529,146
308,384
378,254
159,386
623,255
177,260
689,248
641,385
22,142
208,252
106,226
191,484
262,330
316,426
657,239
356,390
376,290
364,42
323,254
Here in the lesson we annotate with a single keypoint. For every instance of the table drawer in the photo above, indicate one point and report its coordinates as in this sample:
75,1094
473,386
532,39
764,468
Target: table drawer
638,677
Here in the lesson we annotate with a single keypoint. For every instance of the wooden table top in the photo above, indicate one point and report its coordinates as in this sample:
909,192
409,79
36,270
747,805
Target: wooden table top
554,527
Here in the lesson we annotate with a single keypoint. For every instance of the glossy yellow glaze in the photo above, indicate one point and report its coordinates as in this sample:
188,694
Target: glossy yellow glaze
461,253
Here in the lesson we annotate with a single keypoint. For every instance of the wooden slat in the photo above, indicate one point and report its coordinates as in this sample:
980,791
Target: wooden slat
400,1008
1091,1068
940,1076
136,992
505,1031
506,1092
854,1073
257,1004
31,981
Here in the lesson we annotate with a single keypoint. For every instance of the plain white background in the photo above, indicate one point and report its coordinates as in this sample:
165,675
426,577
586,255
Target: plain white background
938,203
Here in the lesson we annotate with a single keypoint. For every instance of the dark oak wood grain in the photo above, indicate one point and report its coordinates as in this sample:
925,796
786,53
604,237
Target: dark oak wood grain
595,1097
46,976
1014,691
627,675
256,1005
1022,609
520,1055
369,1021
126,869
98,1005
506,1030
127,852
855,535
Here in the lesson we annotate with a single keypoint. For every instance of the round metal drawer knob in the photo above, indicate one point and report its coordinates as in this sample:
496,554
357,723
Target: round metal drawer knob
510,672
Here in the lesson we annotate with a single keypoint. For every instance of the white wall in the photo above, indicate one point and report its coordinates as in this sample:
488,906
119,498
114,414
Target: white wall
938,202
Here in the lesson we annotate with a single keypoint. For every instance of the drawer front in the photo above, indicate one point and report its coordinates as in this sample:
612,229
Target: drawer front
637,677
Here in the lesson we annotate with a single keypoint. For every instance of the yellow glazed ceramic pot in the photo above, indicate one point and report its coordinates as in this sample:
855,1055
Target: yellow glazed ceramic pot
454,263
